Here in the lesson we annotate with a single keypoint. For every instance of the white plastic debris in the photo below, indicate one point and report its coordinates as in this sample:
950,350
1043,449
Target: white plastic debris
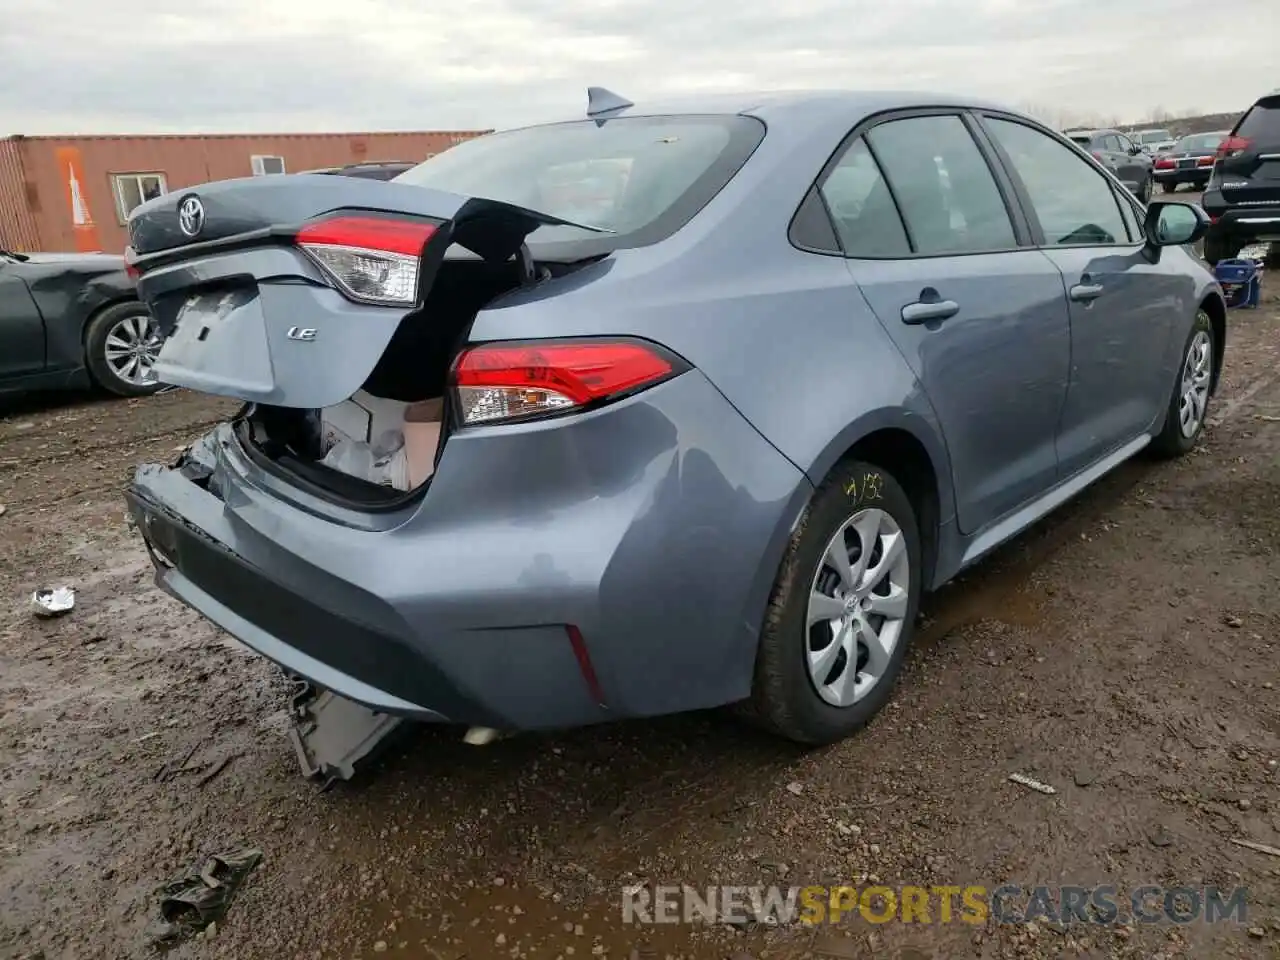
1032,784
52,601
382,462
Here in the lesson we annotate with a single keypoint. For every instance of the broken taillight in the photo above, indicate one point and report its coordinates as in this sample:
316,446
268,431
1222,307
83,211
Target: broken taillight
498,382
372,259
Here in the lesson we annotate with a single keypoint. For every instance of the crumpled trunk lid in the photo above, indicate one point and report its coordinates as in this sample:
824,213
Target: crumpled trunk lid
247,313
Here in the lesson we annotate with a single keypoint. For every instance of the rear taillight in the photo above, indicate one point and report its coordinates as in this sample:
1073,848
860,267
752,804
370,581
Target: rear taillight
372,259
1233,146
1164,163
498,382
1204,161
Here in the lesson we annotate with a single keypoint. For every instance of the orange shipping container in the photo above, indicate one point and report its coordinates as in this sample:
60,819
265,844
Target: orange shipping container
62,194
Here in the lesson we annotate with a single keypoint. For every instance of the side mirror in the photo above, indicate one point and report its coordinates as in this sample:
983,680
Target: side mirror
1170,224
1134,150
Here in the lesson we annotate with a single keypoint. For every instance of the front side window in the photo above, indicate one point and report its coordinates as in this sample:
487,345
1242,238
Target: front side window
639,177
134,189
944,188
862,208
1073,201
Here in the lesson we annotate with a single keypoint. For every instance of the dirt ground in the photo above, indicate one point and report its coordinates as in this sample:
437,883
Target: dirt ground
1123,651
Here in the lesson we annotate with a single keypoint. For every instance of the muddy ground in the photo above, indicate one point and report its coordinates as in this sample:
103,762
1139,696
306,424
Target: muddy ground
1123,651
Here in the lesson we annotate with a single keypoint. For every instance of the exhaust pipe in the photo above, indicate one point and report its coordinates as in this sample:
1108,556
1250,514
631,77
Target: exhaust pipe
481,736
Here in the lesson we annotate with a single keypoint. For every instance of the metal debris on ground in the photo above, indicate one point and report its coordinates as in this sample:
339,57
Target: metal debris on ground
198,898
1259,847
1032,784
52,601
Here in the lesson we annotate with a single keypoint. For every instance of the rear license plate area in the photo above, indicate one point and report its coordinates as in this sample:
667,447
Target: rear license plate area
218,339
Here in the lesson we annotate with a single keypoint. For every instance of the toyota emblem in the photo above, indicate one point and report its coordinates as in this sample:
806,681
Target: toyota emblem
191,216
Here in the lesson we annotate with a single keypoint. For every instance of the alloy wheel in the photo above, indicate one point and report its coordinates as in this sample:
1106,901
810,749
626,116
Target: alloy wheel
131,348
1197,368
857,608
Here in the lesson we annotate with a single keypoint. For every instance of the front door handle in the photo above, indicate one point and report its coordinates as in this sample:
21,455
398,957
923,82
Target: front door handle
1084,292
925,310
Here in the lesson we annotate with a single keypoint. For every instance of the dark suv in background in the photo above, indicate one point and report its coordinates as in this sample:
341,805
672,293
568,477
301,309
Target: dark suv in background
1120,155
1243,194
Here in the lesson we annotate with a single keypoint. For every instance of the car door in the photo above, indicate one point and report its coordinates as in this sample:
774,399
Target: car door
1122,303
21,329
935,250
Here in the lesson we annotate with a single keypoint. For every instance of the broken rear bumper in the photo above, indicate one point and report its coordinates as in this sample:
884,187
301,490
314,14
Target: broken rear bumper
654,527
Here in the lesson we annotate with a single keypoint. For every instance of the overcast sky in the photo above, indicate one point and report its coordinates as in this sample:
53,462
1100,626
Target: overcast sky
137,66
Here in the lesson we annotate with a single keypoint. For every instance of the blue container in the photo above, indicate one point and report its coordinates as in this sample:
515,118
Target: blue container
1241,281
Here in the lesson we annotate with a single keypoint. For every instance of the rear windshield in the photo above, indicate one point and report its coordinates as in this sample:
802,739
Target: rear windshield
641,178
1154,136
1262,122
1199,141
1082,138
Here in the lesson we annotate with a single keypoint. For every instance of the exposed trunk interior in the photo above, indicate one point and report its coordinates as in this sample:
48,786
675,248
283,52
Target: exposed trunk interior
362,451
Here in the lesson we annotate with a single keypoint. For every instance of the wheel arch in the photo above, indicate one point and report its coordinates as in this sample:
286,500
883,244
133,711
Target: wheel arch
907,446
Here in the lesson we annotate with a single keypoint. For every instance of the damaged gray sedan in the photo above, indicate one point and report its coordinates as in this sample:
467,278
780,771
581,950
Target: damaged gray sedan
651,411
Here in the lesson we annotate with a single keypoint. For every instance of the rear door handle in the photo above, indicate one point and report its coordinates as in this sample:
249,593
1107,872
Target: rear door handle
1084,292
925,310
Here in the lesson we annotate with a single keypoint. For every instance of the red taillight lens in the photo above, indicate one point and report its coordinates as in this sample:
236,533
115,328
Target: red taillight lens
373,259
509,381
1164,163
1204,161
1232,146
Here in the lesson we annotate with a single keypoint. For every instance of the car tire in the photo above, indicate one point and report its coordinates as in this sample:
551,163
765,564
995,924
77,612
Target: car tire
859,506
1191,394
116,336
1169,187
1144,194
1217,249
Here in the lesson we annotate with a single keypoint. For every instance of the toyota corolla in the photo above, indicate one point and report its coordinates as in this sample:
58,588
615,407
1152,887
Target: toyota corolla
657,409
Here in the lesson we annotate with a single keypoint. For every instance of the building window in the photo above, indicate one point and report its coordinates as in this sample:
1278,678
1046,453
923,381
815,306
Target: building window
266,166
134,189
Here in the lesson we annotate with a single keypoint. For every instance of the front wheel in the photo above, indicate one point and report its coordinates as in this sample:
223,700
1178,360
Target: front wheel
121,346
1192,388
843,609
1145,195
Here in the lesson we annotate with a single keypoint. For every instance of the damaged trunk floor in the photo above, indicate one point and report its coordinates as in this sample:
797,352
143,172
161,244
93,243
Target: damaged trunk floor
1122,653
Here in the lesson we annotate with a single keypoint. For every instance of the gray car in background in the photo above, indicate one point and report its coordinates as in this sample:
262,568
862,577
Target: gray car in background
727,386
1127,160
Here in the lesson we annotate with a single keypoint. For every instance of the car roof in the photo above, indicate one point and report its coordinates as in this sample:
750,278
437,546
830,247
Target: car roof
812,104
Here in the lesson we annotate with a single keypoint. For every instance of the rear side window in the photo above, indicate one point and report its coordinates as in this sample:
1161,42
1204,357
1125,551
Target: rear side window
1073,202
862,208
944,188
641,178
1262,122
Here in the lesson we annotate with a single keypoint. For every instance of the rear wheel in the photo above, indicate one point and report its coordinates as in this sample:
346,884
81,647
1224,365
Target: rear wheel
121,346
1145,193
1189,402
843,609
